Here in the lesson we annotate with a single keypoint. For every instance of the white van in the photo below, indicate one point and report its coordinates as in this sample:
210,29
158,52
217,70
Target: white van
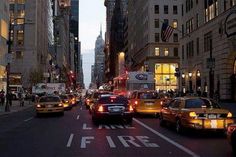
15,90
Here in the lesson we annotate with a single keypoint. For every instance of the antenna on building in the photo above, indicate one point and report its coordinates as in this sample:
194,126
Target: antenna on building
101,29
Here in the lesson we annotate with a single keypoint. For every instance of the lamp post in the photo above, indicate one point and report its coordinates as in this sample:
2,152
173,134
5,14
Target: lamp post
190,81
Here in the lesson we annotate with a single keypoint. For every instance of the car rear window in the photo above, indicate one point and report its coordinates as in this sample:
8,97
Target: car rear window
96,95
199,103
149,95
113,100
49,99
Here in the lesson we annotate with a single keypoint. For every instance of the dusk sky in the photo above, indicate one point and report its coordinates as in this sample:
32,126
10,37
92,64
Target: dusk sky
92,14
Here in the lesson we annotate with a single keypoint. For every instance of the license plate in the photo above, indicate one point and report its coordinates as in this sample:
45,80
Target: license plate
116,110
212,116
148,103
213,123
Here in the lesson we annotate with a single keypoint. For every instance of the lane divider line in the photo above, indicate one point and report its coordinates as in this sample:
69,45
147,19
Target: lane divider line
26,120
188,151
77,117
70,140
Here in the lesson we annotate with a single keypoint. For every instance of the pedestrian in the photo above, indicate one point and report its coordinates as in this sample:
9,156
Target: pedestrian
2,97
9,98
21,99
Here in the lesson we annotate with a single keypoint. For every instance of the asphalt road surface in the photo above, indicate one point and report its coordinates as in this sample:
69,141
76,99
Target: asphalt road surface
74,135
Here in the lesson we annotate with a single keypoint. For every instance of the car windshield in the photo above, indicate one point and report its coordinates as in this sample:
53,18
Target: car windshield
49,99
63,97
147,95
113,100
199,103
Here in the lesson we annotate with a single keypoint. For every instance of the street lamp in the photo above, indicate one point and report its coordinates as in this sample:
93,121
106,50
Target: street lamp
190,74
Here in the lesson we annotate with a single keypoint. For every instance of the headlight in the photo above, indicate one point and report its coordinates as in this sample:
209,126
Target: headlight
192,114
229,115
60,105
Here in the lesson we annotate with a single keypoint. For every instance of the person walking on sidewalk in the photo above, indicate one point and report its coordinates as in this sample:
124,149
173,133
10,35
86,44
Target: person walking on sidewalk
21,99
9,98
2,97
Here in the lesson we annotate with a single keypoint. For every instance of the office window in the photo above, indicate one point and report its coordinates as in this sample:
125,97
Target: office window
157,23
182,30
20,21
20,37
182,52
157,37
232,3
19,54
175,9
189,5
175,23
197,44
207,41
166,51
21,1
21,13
175,37
4,29
156,9
165,9
176,52
189,26
182,9
157,51
211,9
197,20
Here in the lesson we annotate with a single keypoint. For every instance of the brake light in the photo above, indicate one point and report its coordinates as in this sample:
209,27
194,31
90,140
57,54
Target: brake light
192,114
161,102
229,115
100,109
88,100
131,109
38,106
60,105
231,129
136,102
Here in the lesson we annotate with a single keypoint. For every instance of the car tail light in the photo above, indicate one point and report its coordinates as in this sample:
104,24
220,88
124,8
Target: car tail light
38,106
231,129
192,114
136,102
161,102
229,115
73,99
60,105
87,100
100,109
131,109
67,101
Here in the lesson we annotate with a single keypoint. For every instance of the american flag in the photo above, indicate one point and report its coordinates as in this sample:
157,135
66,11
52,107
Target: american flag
166,31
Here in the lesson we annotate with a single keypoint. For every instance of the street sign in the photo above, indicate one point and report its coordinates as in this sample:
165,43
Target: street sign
210,63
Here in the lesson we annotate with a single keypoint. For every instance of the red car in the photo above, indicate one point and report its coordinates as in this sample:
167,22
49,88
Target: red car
231,135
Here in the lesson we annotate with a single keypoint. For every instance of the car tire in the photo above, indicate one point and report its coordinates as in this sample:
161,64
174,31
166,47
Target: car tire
129,120
178,127
162,121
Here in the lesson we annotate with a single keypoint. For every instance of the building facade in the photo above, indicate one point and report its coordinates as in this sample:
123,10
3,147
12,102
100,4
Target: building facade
31,35
208,48
4,25
145,50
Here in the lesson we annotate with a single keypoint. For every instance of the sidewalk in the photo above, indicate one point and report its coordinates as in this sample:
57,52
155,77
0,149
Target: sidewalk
16,107
230,106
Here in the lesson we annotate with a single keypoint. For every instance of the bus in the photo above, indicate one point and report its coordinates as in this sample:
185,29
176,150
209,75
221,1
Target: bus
130,81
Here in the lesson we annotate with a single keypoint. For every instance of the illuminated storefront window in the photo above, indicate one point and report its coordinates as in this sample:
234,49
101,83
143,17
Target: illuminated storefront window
164,76
157,51
166,51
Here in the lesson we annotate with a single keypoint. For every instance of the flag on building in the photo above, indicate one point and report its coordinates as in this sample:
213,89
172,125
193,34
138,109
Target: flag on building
166,31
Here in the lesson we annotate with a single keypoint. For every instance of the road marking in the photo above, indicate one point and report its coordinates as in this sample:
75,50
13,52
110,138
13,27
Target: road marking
85,127
110,142
188,151
26,120
70,140
77,117
86,140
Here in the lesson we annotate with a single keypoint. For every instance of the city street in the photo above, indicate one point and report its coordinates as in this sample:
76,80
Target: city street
74,134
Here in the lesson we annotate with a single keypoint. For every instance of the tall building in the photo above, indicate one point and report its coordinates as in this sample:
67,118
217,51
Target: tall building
31,34
208,58
114,37
74,28
4,25
98,72
145,49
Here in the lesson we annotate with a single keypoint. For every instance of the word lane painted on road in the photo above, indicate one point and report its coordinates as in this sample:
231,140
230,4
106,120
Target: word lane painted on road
126,141
108,127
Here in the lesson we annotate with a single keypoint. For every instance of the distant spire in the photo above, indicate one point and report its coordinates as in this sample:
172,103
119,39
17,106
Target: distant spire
101,29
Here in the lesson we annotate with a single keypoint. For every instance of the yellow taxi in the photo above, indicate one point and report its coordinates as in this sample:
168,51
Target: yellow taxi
66,102
49,104
145,102
196,113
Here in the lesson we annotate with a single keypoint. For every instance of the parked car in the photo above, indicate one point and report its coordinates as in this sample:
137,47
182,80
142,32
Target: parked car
145,102
231,136
112,106
49,104
196,113
72,99
66,102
